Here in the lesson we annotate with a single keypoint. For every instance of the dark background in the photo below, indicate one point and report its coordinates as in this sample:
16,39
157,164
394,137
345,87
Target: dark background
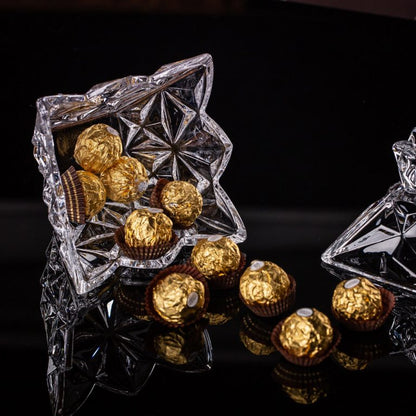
312,99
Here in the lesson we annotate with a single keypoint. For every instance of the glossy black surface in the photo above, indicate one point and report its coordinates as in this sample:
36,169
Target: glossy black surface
239,382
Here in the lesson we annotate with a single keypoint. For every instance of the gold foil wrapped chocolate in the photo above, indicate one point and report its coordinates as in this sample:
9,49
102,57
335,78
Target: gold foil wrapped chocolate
304,395
216,256
306,333
263,283
182,202
147,227
97,148
126,180
357,299
94,192
178,298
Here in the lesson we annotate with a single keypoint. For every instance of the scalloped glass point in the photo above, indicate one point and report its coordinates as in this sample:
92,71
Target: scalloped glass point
162,122
381,243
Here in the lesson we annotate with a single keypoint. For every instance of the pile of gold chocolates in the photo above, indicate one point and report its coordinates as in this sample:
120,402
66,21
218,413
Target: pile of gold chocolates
108,175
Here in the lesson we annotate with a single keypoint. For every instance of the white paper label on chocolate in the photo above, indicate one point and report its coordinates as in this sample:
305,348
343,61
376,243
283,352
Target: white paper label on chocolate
112,131
214,238
304,312
256,265
193,299
349,284
154,210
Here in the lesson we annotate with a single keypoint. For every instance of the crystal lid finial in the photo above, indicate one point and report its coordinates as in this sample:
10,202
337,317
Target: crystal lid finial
405,154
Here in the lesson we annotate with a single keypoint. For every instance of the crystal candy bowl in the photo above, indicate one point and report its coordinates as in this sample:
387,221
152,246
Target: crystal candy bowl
162,122
381,243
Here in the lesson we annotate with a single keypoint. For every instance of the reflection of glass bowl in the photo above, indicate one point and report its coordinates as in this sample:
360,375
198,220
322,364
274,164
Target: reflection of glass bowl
162,122
304,385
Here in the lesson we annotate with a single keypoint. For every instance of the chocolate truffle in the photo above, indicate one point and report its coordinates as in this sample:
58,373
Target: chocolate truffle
126,180
182,202
357,298
97,148
147,227
306,333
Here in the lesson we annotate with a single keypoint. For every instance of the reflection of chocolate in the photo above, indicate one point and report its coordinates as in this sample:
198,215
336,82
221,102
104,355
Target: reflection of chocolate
223,306
357,349
304,385
177,346
132,301
255,334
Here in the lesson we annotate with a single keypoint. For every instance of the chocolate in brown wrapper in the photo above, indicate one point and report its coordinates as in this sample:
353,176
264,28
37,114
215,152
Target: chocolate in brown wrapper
94,192
177,296
97,148
357,298
126,180
266,289
263,283
182,202
372,324
216,256
74,196
306,332
147,227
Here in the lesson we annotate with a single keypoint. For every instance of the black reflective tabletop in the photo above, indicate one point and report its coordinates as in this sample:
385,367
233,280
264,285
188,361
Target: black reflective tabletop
113,361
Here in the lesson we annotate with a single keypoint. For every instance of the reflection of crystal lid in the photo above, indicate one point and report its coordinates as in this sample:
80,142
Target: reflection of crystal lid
162,123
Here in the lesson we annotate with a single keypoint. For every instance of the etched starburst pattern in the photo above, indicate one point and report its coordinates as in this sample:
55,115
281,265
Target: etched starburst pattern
162,122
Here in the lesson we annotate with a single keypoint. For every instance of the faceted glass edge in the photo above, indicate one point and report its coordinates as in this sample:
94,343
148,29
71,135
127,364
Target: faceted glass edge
336,248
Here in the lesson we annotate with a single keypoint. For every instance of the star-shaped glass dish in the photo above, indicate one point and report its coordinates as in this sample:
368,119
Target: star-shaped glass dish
162,122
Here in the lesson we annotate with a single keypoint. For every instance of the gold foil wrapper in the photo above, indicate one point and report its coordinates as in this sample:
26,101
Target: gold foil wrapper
182,202
304,395
349,362
178,297
97,148
264,283
94,192
356,299
255,347
216,256
306,333
147,227
126,180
